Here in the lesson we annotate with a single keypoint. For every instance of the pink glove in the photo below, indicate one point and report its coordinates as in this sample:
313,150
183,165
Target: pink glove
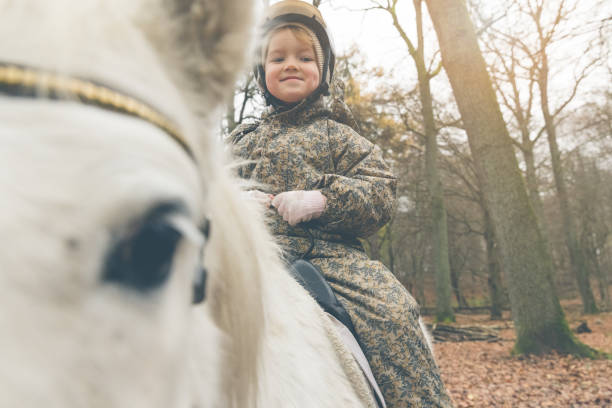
299,206
259,196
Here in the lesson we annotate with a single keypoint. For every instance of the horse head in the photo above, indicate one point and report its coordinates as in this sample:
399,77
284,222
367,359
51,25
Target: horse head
111,183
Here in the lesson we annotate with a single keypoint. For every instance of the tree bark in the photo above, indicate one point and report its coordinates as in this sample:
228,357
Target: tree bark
444,310
389,242
593,237
419,273
496,292
539,320
576,252
532,180
230,116
461,302
604,289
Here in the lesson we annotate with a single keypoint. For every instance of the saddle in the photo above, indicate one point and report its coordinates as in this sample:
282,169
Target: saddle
311,279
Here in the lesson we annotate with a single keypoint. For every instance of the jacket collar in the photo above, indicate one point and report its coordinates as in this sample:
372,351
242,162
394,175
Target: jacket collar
301,112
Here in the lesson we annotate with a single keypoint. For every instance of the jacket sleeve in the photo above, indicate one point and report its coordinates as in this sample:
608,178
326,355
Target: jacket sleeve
241,146
361,189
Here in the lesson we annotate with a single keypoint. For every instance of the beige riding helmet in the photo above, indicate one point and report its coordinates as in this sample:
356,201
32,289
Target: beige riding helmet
305,15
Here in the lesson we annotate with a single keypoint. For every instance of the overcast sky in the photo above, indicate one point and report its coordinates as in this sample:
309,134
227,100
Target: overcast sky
372,31
376,37
379,42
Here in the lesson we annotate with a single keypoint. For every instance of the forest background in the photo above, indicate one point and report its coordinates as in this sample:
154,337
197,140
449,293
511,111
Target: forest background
503,152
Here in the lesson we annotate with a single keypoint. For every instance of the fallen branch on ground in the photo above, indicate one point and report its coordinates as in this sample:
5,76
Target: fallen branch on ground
444,332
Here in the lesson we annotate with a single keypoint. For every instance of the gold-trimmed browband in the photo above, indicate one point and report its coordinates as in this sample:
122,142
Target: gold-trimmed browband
21,81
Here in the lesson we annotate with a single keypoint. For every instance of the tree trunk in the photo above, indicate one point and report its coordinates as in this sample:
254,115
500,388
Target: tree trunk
577,257
230,116
390,254
461,302
532,186
604,284
538,318
417,254
444,310
419,274
602,281
496,292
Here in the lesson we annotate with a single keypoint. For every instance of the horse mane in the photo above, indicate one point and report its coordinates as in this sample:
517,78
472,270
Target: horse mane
212,42
243,251
241,248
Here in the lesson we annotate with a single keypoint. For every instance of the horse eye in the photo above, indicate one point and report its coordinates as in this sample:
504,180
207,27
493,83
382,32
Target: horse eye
142,260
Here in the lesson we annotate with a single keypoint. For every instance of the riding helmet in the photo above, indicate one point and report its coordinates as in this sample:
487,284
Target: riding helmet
300,13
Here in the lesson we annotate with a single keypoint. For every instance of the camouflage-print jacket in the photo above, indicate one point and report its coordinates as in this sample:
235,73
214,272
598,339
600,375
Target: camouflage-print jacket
306,149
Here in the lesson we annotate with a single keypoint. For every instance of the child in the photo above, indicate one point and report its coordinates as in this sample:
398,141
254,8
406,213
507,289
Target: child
326,181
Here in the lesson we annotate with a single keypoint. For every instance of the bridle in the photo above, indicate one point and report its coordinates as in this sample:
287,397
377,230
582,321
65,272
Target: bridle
18,80
25,82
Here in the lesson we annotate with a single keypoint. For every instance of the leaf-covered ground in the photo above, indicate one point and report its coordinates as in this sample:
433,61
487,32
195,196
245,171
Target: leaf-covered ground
483,374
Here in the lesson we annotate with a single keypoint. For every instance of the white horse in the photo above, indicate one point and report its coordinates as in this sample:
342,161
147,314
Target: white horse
100,215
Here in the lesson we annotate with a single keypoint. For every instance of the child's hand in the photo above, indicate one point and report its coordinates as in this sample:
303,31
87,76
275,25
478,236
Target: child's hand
299,206
259,196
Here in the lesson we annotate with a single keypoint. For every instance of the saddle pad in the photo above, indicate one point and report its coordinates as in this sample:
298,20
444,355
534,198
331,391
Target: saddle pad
351,344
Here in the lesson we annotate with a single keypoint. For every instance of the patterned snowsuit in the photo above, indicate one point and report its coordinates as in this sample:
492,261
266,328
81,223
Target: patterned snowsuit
306,149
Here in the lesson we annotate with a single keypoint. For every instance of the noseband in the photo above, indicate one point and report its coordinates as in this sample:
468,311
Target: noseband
25,82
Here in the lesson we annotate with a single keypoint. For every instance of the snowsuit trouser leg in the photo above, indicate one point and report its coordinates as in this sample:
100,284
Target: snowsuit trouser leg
386,317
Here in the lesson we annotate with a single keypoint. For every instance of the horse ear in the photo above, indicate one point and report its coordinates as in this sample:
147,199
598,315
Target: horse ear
210,40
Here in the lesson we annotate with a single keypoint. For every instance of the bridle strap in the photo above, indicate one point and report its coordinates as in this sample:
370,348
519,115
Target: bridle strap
21,81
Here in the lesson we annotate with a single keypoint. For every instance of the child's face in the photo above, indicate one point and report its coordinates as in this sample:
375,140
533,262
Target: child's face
291,68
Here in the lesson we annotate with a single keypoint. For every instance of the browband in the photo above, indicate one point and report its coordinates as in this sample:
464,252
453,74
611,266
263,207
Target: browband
21,81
